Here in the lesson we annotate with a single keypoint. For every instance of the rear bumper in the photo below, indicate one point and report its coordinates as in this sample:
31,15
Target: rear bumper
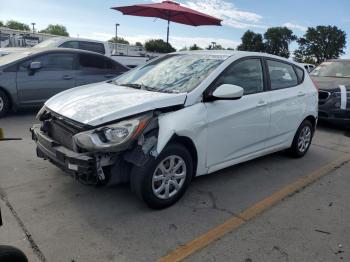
66,159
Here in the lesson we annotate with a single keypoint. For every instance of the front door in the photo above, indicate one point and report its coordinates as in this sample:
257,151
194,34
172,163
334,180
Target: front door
238,128
55,75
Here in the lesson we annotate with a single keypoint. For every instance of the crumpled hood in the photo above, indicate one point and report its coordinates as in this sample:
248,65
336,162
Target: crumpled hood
103,102
329,83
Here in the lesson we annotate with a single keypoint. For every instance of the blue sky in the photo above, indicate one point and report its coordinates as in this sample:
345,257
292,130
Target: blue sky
94,18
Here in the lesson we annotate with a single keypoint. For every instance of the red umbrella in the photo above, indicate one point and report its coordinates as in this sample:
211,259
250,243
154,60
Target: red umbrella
170,11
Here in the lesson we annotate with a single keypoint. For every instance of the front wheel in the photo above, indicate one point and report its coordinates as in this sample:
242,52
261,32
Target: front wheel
302,139
163,181
4,103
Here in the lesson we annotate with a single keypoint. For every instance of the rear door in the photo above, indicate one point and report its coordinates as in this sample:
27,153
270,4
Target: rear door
287,103
56,74
96,68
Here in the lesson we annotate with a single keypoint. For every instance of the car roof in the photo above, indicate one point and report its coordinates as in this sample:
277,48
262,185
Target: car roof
338,60
68,38
229,53
59,49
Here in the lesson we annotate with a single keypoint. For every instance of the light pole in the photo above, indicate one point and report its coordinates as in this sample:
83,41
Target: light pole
33,24
116,37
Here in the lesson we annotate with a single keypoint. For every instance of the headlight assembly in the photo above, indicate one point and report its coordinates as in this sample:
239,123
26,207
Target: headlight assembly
110,137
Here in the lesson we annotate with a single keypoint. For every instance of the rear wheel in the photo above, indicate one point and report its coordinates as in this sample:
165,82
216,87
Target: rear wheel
302,139
4,103
163,181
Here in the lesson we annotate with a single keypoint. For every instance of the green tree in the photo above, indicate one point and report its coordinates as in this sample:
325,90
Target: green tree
277,40
215,46
252,42
1,23
159,46
55,30
119,40
12,24
321,43
195,47
138,44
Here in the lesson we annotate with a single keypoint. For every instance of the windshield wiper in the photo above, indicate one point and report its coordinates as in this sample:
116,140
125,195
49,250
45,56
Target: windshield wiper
136,86
149,88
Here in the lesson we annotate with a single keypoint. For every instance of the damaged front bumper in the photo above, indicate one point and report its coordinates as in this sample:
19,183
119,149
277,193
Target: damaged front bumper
83,166
332,109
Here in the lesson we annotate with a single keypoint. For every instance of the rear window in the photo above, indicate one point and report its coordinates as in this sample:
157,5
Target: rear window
282,75
93,47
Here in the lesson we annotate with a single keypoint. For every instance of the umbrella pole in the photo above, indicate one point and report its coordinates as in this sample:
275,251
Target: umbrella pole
167,36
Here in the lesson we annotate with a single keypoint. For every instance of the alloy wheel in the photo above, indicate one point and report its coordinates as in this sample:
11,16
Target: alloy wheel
304,139
169,177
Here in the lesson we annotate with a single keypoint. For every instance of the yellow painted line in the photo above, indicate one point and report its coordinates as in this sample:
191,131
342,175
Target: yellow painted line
233,223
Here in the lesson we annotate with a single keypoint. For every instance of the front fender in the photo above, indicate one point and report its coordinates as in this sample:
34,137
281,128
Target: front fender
190,122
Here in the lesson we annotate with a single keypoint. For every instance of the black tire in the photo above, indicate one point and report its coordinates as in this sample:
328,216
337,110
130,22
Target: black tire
12,254
295,150
4,103
141,177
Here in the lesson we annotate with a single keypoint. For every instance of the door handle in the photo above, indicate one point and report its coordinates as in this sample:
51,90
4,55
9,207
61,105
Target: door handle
261,104
108,76
301,94
67,77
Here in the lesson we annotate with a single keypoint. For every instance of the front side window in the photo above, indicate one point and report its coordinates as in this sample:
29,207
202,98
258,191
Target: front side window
247,74
175,73
51,62
93,47
282,75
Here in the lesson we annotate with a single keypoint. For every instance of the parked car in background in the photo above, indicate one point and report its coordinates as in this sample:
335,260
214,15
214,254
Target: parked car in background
101,47
29,78
182,115
308,67
333,80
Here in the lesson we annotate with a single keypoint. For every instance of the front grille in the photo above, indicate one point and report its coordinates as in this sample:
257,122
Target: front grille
61,131
61,134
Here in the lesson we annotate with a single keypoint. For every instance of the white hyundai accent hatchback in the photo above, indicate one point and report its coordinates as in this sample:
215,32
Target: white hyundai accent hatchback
183,115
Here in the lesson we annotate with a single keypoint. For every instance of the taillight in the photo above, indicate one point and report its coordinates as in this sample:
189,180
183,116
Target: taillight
315,85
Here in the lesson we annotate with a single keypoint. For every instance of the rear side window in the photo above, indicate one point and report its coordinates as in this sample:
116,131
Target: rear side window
87,61
282,75
93,47
112,65
300,74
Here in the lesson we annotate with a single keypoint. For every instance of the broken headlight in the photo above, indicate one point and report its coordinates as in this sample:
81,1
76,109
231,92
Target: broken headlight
111,136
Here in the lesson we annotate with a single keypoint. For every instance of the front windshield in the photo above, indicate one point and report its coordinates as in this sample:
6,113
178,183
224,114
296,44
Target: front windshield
174,73
49,43
12,57
333,69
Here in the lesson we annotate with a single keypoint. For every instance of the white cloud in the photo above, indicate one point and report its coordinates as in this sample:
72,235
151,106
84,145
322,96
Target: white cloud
226,11
295,26
177,41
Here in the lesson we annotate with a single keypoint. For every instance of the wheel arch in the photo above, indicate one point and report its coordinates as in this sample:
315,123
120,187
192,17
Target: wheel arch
7,93
312,119
189,145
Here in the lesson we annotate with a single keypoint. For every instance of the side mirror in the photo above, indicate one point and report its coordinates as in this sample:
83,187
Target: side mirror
35,66
228,92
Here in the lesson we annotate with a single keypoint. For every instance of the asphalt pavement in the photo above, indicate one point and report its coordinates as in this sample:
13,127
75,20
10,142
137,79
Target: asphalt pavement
54,218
